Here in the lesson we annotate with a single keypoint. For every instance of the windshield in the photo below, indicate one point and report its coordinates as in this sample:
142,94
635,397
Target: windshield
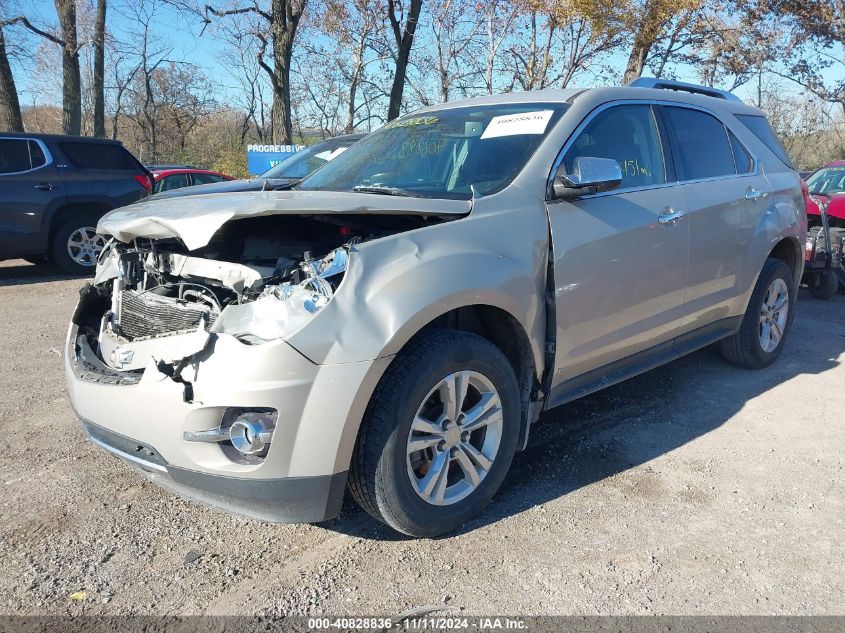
443,153
828,180
309,159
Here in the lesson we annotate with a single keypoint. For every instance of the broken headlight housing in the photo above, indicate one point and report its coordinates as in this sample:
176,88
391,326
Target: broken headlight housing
283,308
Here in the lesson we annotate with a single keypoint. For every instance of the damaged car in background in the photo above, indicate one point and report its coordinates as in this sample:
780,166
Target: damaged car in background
396,322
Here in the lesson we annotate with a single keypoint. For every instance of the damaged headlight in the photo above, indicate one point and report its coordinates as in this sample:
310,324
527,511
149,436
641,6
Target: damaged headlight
283,308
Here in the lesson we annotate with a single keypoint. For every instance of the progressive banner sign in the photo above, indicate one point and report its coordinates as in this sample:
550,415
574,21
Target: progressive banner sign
260,158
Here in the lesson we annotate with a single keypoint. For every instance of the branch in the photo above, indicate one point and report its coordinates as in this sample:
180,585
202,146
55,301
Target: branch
238,11
25,22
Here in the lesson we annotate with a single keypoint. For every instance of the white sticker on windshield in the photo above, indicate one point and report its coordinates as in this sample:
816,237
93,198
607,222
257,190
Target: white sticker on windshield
521,123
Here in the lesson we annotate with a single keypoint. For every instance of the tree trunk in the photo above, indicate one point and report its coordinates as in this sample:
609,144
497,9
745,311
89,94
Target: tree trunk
637,58
404,42
97,85
285,20
71,80
10,108
281,114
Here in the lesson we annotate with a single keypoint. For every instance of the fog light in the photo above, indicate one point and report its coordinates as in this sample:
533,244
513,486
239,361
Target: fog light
252,432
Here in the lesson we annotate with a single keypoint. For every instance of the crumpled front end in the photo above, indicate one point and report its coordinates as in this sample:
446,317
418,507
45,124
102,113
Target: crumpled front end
177,362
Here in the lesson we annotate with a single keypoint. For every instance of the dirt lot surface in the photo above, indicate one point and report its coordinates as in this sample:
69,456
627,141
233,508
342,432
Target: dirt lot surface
697,488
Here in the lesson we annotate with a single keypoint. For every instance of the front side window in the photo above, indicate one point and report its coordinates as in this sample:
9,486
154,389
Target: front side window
703,149
450,153
627,134
19,155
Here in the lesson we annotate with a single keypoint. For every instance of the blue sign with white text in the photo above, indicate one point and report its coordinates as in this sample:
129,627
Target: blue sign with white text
260,158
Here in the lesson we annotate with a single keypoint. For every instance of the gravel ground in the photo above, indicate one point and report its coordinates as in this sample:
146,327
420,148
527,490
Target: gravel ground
697,488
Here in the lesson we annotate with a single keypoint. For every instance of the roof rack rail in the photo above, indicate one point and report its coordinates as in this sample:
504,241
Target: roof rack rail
667,84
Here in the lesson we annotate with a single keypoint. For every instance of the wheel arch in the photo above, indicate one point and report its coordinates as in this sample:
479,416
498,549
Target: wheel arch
788,250
487,320
65,211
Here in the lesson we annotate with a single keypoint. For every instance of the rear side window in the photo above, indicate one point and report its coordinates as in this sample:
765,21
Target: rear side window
627,134
742,159
36,155
99,156
19,155
175,181
206,179
702,146
762,130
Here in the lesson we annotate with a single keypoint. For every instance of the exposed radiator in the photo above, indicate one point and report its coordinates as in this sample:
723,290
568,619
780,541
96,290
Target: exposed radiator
147,314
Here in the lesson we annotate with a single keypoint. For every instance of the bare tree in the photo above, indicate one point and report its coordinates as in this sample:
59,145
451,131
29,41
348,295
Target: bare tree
10,108
353,25
71,78
281,20
403,24
99,75
499,15
652,22
815,38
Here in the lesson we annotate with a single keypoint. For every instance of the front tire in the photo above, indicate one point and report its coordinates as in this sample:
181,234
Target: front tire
767,320
439,434
75,245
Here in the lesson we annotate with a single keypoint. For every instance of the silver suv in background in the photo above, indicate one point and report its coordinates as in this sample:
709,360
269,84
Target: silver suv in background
397,321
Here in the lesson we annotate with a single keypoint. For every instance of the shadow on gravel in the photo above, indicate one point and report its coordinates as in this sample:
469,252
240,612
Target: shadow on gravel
631,423
25,273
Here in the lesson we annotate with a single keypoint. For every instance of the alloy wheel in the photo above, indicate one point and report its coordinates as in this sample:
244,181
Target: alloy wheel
454,438
84,246
773,315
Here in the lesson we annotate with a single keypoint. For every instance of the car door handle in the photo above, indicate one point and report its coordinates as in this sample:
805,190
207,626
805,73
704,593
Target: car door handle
753,194
670,216
44,186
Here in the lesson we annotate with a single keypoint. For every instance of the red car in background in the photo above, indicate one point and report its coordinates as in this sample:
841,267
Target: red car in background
168,177
828,181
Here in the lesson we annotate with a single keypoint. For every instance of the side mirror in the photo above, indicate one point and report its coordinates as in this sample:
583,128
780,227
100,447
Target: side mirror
591,175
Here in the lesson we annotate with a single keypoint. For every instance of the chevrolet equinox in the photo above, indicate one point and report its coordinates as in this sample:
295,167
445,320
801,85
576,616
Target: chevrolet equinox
397,321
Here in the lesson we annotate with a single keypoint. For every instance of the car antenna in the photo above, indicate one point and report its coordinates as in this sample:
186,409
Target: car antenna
474,196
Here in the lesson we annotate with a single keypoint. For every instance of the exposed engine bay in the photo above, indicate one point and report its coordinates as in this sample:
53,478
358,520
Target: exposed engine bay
257,279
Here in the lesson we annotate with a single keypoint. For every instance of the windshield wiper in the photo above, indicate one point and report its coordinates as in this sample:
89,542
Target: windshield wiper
385,191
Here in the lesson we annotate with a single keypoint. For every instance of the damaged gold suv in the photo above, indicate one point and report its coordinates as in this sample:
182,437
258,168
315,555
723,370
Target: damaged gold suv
398,320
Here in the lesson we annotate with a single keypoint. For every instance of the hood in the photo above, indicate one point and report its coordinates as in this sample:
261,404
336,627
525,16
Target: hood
195,219
227,186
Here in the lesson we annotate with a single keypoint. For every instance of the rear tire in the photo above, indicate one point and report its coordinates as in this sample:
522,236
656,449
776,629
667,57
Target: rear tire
459,463
824,285
75,246
760,339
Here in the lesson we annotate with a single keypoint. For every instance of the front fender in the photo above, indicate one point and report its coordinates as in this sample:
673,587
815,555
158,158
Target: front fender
396,285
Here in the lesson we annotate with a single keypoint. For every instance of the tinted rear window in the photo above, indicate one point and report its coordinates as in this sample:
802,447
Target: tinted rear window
17,155
762,130
702,145
99,156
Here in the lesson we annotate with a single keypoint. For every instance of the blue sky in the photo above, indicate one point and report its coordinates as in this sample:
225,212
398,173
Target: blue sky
182,33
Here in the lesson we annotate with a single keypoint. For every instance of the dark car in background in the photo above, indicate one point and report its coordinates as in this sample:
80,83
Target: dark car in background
281,176
170,177
53,191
